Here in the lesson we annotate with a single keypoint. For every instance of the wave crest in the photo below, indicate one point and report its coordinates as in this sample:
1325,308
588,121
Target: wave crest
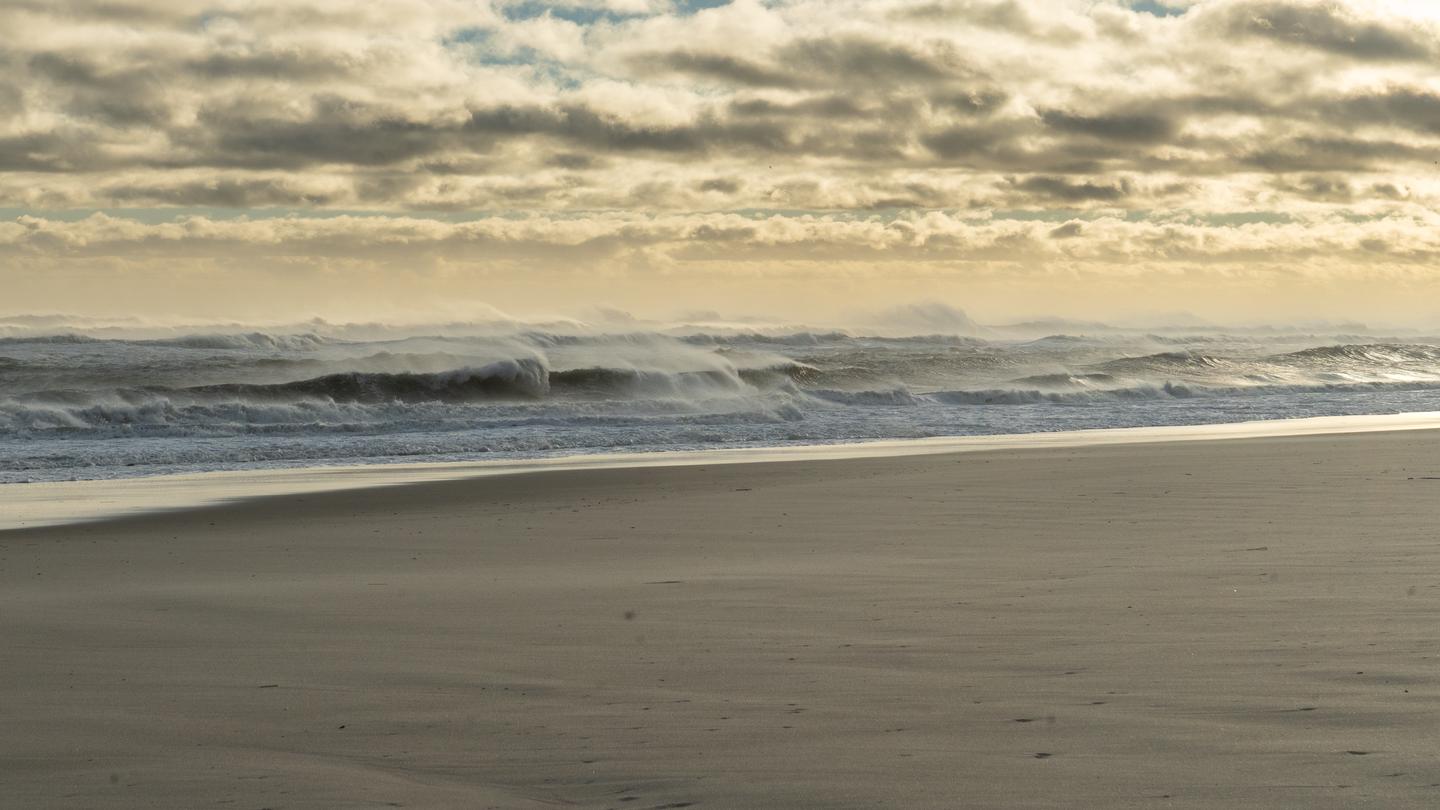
524,378
1380,354
249,340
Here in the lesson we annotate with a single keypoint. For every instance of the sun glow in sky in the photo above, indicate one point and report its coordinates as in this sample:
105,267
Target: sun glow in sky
1240,159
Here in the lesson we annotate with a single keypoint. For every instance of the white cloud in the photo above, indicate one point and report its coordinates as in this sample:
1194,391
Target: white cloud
631,134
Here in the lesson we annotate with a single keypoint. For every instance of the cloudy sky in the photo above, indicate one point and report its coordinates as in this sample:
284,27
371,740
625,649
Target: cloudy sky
273,159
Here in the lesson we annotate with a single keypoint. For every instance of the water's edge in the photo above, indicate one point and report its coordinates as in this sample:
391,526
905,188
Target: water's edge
68,502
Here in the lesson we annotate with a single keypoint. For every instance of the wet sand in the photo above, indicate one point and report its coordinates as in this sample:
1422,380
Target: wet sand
1230,623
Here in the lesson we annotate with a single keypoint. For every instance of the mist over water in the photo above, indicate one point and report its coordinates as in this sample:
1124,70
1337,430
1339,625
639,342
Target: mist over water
84,399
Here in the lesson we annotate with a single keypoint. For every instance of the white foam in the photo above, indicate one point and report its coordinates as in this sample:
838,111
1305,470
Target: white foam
58,503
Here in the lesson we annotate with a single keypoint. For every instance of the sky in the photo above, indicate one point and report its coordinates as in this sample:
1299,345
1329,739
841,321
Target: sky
268,160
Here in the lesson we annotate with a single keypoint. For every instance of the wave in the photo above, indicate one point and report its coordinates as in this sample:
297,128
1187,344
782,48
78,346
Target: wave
378,362
1169,390
519,379
610,381
84,424
1034,396
800,339
1066,380
1064,342
1037,396
893,396
523,378
250,340
64,339
1167,362
835,338
852,369
1377,354
281,383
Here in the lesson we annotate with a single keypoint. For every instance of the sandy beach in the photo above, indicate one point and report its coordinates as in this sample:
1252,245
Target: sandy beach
1203,624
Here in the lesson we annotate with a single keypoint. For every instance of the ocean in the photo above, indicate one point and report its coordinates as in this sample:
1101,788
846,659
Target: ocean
79,401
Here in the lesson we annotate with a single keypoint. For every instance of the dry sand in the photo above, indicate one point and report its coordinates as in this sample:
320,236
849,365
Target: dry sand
1233,623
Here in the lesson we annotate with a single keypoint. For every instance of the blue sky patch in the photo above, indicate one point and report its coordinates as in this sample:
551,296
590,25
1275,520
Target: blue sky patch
1152,7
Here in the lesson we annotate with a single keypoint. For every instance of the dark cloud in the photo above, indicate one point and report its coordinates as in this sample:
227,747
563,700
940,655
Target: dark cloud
12,100
970,102
341,131
462,164
587,127
116,95
382,187
1337,189
150,13
279,66
384,103
1003,146
573,161
218,193
874,145
1409,108
336,130
848,60
58,150
1003,15
1311,154
910,195
723,233
1069,230
1317,187
1062,190
720,67
1329,27
1112,127
962,143
1389,191
724,185
891,203
851,61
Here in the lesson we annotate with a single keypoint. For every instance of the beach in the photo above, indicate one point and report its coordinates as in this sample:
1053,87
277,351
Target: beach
1246,622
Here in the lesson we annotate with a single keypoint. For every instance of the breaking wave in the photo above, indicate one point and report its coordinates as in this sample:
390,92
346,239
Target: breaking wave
894,396
525,378
1168,362
1014,396
66,339
75,401
251,340
1066,380
1372,354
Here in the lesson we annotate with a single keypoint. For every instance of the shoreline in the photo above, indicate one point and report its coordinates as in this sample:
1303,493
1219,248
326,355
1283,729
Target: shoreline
56,503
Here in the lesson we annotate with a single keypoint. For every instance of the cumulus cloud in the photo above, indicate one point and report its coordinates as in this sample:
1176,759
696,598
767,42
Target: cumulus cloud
878,240
478,105
1332,27
648,134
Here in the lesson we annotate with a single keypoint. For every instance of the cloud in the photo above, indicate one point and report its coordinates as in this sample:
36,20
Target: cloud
1058,188
1333,27
723,67
649,128
702,237
417,104
245,192
1121,127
